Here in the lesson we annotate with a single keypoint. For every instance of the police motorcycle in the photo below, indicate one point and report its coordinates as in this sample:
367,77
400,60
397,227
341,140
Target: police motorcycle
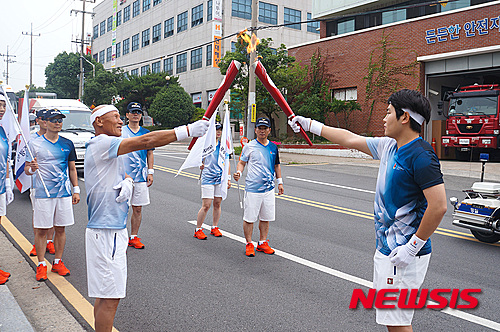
479,211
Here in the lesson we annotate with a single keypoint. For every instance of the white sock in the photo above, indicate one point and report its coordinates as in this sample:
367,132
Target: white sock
49,241
249,242
133,237
56,261
214,227
42,263
198,229
261,242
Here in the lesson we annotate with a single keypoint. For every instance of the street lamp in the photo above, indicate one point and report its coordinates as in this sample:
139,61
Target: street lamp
93,66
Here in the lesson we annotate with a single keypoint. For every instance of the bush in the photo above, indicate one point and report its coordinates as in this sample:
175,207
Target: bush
172,107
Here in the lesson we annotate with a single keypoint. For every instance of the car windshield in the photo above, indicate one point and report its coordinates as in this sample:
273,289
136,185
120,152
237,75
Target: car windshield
473,106
77,120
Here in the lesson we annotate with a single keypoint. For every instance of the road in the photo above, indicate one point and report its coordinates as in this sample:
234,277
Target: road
325,243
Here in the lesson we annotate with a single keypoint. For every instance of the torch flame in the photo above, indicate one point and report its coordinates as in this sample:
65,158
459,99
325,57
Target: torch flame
252,41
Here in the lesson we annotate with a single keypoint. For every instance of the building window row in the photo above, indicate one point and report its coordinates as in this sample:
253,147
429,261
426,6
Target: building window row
136,8
146,4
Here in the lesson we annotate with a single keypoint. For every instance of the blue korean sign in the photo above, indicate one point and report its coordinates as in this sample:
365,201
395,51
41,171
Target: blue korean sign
470,29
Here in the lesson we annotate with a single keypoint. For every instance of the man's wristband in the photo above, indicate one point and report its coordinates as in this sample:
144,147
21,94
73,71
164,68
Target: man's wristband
181,132
279,181
151,171
76,190
239,172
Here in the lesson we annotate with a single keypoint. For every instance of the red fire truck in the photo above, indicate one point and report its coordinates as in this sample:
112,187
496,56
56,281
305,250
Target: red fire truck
472,124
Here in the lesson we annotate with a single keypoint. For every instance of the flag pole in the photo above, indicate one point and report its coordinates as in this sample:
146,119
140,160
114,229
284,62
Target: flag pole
226,106
24,138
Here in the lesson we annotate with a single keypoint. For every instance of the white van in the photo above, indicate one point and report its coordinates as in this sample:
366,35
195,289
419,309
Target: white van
76,126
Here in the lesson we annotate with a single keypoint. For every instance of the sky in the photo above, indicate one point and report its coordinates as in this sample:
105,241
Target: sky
55,23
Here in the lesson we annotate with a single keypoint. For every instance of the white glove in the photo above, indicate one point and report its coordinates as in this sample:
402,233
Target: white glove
126,187
403,255
198,128
9,194
307,124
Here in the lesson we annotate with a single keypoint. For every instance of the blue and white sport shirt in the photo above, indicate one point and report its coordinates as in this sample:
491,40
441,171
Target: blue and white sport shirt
136,165
261,162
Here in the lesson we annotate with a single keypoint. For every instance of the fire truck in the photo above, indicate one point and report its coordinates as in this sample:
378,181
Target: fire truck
472,124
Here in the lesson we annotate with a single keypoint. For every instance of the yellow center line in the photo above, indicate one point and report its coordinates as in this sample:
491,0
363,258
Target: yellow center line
305,164
339,209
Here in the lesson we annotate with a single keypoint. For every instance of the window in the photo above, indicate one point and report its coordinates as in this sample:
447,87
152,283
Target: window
209,55
345,94
146,4
168,65
145,38
209,10
110,23
135,42
197,15
455,5
95,56
393,16
312,26
108,54
96,31
144,70
345,26
233,46
156,32
196,58
268,13
242,9
118,49
182,21
136,8
169,27
126,45
119,18
156,2
156,67
181,63
134,72
126,14
101,56
102,28
292,15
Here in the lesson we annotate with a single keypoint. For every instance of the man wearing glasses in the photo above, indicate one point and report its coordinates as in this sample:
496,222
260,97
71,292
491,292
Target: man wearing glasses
54,156
139,166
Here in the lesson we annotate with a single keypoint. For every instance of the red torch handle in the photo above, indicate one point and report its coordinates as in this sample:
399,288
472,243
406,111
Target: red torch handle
261,73
231,73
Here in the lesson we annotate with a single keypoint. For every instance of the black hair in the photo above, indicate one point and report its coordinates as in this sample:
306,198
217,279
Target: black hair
414,101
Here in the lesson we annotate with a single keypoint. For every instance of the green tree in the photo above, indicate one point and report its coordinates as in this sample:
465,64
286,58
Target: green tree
172,106
103,87
63,74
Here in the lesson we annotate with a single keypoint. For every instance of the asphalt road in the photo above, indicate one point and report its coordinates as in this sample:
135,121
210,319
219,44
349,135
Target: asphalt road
325,242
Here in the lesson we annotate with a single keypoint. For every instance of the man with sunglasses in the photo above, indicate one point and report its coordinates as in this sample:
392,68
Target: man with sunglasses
139,166
54,156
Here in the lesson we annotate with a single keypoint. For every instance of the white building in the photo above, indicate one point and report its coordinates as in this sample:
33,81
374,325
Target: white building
172,36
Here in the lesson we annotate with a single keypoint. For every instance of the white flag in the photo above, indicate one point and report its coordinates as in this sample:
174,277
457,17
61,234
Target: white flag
226,148
9,120
204,146
22,180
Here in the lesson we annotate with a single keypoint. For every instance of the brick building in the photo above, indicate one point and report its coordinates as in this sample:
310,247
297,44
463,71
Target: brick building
438,48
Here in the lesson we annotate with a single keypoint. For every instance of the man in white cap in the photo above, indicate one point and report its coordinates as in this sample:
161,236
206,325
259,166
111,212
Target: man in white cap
108,190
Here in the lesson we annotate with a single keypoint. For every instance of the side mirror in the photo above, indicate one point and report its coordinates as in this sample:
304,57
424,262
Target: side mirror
454,201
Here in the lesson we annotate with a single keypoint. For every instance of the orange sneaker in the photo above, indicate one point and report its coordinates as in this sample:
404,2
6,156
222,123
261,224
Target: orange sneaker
264,247
41,273
3,280
4,274
136,243
33,251
216,232
50,248
200,235
60,269
249,251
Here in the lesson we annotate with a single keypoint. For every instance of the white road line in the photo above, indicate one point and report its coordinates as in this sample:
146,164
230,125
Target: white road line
452,312
169,156
168,153
331,185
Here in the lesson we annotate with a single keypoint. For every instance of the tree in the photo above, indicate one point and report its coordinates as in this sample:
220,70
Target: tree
63,74
172,106
103,87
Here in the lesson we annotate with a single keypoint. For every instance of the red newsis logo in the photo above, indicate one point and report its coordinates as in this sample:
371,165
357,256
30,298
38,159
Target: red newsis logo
414,298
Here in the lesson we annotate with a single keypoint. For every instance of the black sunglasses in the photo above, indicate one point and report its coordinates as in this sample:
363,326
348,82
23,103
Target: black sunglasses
56,120
135,112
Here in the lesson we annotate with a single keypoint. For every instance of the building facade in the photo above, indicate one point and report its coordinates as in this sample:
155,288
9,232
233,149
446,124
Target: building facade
174,36
373,47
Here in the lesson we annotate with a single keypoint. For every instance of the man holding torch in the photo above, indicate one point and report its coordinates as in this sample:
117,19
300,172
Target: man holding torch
263,167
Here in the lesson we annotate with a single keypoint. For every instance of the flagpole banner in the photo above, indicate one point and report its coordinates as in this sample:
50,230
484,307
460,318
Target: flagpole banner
113,35
22,180
226,148
216,32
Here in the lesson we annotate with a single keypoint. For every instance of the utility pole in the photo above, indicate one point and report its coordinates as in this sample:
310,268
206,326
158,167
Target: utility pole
82,42
31,52
7,56
251,78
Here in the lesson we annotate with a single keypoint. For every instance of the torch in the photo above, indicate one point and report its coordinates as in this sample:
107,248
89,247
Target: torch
231,73
261,73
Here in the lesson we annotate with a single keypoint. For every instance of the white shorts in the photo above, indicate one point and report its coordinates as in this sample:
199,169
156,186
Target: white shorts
50,212
211,191
386,275
140,194
106,251
3,204
259,206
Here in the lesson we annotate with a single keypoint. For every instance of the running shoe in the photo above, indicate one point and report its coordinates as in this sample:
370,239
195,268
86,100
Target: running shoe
50,248
60,269
41,273
4,274
33,251
250,252
136,243
3,280
216,232
200,235
264,247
